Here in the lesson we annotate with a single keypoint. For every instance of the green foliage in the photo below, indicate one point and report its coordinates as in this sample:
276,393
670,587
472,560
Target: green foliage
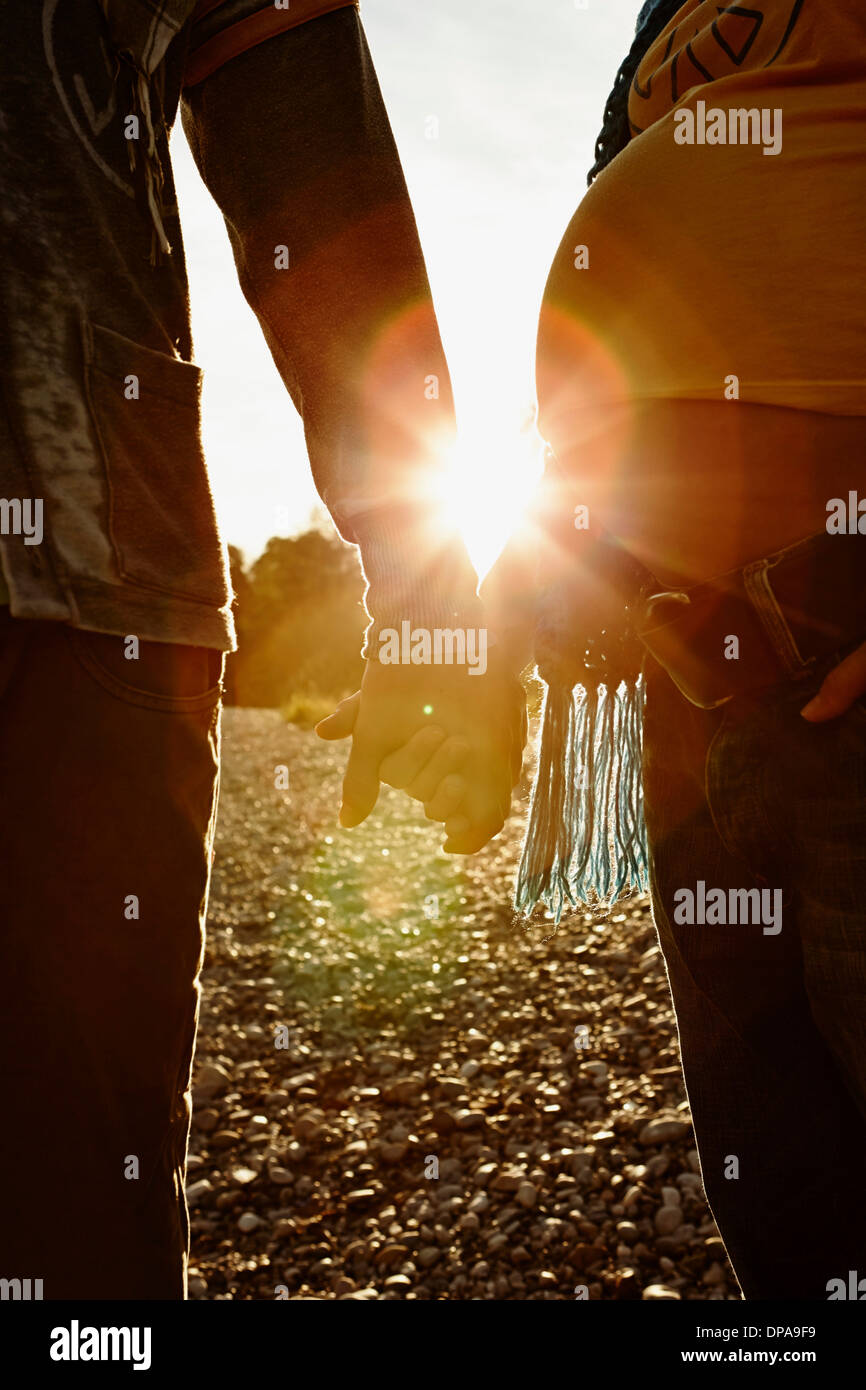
300,621
306,707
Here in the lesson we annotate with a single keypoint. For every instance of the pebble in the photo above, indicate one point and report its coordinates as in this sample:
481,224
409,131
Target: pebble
195,1191
209,1080
394,1153
663,1131
667,1220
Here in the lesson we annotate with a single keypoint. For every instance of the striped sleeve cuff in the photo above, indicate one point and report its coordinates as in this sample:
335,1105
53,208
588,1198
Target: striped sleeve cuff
223,29
415,573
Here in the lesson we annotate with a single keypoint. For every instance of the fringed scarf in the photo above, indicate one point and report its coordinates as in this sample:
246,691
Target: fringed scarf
586,839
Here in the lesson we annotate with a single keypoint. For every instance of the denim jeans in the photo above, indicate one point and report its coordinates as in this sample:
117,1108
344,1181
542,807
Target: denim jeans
108,784
772,1024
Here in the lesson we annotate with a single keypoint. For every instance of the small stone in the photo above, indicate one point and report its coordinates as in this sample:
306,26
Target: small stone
398,1281
527,1194
443,1121
249,1222
428,1256
305,1078
308,1129
243,1175
667,1220
209,1081
507,1181
450,1087
360,1196
663,1131
659,1165
394,1153
197,1190
660,1293
281,1177
225,1139
403,1091
391,1254
470,1119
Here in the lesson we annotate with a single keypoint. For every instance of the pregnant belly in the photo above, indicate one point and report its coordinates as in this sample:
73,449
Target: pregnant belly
695,488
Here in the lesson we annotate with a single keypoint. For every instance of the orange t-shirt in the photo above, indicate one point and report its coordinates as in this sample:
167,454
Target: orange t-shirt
699,266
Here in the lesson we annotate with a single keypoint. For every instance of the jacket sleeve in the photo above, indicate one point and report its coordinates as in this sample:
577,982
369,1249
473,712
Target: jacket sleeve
291,137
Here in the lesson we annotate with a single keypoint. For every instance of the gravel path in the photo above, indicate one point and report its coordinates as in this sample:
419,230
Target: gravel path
401,1095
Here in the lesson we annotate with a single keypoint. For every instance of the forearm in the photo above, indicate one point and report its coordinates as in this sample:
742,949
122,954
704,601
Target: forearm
293,140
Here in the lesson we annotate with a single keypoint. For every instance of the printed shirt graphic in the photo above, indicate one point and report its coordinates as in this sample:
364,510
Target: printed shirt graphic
708,261
706,42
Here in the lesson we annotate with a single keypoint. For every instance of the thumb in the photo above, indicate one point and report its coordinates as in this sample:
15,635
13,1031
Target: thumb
841,688
360,788
341,723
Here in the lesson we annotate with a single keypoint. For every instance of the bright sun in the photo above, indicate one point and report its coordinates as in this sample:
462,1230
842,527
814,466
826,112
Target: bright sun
488,481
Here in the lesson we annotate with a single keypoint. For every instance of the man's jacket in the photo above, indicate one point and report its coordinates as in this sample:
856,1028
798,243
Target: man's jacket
99,414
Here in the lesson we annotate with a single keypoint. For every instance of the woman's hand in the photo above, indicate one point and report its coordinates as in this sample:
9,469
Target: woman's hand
448,739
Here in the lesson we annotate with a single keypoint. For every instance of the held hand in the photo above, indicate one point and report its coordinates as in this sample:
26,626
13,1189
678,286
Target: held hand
485,717
475,800
841,687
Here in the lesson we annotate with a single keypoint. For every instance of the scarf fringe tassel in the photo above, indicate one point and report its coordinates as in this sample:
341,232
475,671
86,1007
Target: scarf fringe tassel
586,843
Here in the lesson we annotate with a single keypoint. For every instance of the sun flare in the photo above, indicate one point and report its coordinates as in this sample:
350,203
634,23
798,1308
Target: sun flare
487,482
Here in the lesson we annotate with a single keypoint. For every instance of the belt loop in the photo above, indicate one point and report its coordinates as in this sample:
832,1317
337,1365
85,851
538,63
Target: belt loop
759,592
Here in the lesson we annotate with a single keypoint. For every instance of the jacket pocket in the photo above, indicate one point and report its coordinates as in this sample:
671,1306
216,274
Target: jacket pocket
162,525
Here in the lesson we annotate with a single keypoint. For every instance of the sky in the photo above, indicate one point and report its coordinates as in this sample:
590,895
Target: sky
517,90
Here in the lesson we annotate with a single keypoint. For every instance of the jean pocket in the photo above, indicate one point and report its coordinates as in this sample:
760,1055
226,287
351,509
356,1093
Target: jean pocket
156,675
162,524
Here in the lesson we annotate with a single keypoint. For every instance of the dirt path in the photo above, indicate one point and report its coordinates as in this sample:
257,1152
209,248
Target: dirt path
401,1095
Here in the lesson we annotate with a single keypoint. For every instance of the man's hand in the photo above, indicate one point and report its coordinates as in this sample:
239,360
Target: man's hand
841,687
415,727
